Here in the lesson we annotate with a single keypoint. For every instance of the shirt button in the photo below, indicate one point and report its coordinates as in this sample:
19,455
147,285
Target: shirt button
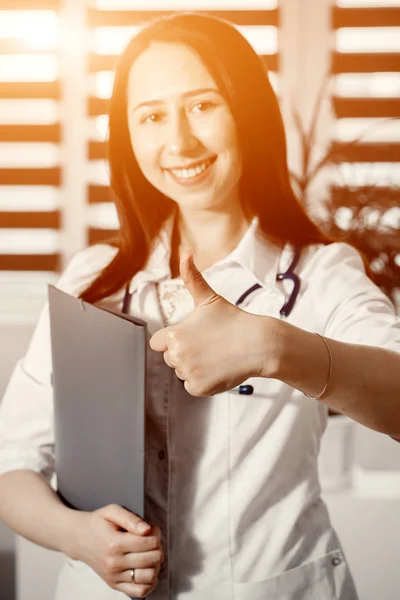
336,561
161,455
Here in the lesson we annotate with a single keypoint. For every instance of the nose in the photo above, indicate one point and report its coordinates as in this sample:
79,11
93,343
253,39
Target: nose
181,138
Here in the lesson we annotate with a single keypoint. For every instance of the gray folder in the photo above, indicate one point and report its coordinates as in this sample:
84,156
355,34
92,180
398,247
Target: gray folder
99,366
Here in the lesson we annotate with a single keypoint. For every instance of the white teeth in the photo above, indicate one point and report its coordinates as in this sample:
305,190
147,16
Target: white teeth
188,173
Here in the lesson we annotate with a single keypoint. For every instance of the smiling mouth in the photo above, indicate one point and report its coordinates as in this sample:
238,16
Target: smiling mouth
194,171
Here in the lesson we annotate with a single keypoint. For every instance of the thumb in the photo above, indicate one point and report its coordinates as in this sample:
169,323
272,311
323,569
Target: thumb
125,519
199,289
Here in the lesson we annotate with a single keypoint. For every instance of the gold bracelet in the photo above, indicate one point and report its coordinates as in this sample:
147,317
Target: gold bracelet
329,372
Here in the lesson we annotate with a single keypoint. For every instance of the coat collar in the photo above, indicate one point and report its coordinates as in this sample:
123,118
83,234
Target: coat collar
254,253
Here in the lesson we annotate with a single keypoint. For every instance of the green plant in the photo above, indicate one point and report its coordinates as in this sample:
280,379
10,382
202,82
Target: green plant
366,215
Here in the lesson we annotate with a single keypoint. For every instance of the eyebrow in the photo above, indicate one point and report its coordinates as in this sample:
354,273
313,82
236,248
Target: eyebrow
190,94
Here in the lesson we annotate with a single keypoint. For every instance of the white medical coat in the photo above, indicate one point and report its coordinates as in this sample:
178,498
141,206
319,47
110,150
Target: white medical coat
231,480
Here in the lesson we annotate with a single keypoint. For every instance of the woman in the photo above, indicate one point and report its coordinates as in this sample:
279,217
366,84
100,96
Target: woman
233,510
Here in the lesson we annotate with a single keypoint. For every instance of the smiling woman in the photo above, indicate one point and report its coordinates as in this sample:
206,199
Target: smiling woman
182,129
197,157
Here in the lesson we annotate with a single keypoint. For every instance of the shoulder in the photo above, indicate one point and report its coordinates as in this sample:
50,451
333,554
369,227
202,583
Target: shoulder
337,256
343,298
85,266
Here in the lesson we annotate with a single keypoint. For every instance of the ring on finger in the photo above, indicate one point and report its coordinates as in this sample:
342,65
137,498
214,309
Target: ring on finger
132,574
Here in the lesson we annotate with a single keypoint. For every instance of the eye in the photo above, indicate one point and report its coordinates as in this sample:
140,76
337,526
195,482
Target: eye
203,106
152,118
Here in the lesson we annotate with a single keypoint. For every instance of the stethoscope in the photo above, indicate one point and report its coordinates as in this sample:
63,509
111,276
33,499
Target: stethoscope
248,390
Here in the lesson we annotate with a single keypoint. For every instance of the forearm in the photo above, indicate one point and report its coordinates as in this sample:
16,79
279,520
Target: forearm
32,509
364,382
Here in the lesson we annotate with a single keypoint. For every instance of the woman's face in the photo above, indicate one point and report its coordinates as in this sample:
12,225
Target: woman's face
182,130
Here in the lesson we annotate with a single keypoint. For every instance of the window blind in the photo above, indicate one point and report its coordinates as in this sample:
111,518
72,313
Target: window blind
30,138
366,102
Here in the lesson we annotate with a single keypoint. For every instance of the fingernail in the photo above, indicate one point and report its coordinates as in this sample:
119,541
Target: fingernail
143,527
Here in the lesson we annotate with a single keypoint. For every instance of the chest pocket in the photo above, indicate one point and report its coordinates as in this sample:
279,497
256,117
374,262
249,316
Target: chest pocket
327,578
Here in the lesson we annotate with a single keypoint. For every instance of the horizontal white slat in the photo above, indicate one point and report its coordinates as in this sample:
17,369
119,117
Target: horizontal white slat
28,112
368,85
102,84
373,218
103,215
368,39
28,67
27,198
371,130
98,172
38,28
112,40
29,241
186,4
18,154
367,3
358,174
97,128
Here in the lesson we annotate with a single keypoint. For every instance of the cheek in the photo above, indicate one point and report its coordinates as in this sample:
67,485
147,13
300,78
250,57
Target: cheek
145,146
220,135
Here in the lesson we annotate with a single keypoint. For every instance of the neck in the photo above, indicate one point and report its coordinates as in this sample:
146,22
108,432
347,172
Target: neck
211,235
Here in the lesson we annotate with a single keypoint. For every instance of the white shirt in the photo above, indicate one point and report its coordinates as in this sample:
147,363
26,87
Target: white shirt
231,480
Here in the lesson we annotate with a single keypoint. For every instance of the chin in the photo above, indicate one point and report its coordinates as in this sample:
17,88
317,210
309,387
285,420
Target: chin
199,203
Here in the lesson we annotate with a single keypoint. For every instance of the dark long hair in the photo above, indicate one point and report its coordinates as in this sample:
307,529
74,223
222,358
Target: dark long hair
265,187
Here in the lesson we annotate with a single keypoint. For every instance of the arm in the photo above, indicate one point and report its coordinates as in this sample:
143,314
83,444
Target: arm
364,383
32,509
109,540
219,346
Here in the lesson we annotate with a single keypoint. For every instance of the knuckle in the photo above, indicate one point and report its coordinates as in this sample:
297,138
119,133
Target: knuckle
171,335
113,547
142,591
111,564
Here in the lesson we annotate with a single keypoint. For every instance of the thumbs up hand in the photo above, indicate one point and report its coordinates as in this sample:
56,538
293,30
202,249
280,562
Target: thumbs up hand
218,346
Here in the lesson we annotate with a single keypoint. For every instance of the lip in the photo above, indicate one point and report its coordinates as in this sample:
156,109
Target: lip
194,181
192,165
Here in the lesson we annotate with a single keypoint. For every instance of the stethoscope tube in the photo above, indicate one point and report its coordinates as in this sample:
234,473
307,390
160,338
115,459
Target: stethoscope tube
289,274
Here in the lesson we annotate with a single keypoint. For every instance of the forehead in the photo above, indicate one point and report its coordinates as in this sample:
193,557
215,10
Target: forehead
165,69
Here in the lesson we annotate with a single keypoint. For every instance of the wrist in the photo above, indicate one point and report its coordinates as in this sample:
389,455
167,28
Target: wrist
74,526
267,347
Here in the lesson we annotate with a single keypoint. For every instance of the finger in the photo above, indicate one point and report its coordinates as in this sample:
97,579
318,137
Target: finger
199,289
159,340
142,560
168,360
125,519
156,531
134,543
134,590
192,391
146,576
179,375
